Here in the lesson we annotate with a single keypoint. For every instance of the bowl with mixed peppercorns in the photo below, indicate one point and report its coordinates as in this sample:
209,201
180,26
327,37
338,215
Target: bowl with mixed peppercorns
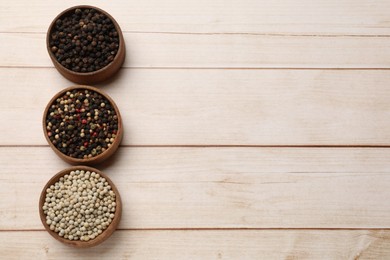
80,206
82,125
86,44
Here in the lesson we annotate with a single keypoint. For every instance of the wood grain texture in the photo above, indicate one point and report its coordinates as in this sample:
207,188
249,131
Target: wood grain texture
242,244
219,51
332,17
216,73
219,107
218,187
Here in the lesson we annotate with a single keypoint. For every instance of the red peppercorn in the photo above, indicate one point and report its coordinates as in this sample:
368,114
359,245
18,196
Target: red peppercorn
80,127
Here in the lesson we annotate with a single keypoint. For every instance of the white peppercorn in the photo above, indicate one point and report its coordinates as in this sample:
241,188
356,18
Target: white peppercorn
79,206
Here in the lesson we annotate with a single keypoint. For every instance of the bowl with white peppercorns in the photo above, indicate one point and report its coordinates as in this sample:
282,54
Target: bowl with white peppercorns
80,206
82,125
86,44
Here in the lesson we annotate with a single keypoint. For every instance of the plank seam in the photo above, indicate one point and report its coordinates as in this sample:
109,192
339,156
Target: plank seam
206,68
210,229
219,146
236,33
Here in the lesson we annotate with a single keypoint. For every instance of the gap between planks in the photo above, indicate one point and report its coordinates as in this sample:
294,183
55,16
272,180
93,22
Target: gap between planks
219,146
238,33
206,68
210,229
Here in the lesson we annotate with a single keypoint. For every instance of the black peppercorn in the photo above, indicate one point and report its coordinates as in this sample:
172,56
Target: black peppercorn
76,124
86,40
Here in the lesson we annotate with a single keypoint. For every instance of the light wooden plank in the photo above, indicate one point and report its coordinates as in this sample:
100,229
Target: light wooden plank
236,244
219,51
218,187
250,16
223,107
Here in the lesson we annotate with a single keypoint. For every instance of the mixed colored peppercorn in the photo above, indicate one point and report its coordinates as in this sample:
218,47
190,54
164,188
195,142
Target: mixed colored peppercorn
80,206
85,40
82,123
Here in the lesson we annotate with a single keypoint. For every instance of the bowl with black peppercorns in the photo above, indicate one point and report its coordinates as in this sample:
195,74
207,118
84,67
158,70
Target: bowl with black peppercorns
85,44
80,206
82,125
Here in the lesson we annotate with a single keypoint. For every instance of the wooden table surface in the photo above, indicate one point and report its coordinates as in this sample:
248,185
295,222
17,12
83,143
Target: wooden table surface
253,129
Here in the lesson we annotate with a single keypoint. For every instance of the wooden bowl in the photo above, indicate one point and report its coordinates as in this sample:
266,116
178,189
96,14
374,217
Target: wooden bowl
77,243
95,76
98,158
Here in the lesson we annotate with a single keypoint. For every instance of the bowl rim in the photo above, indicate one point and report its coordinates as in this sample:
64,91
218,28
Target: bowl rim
106,233
92,73
98,158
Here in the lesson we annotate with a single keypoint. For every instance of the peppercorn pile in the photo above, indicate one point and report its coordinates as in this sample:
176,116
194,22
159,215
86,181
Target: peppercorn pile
80,206
84,41
81,124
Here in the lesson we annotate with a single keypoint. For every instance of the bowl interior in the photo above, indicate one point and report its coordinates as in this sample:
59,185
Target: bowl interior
95,159
77,243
